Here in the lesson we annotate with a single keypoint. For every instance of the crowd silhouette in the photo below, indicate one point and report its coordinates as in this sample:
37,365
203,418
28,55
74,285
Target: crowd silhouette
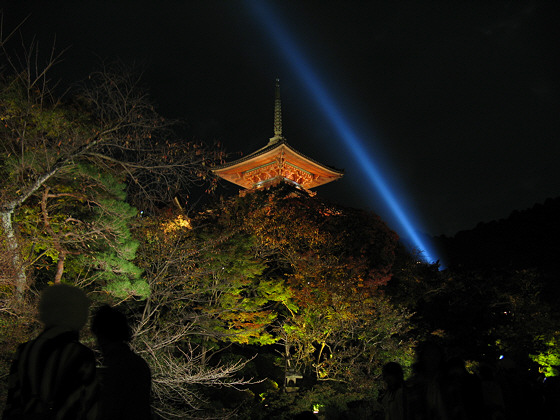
441,388
54,376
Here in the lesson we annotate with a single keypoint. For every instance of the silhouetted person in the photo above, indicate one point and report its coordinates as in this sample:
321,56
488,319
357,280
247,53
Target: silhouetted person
125,377
552,398
492,396
425,390
53,376
394,399
463,392
517,391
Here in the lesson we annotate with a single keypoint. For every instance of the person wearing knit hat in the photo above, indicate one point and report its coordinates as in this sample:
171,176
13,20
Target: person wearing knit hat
64,306
53,376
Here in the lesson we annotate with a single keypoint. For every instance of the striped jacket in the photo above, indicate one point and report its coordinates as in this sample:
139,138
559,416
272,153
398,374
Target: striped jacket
52,377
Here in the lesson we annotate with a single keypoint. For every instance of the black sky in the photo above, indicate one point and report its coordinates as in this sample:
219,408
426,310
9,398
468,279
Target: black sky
458,101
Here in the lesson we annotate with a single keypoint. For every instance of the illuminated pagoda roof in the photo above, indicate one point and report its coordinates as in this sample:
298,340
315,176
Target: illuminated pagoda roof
277,162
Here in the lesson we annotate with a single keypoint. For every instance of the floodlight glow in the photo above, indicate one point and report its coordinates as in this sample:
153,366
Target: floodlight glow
311,82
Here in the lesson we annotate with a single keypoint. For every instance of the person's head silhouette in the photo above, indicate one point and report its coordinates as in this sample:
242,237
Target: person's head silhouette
110,326
64,306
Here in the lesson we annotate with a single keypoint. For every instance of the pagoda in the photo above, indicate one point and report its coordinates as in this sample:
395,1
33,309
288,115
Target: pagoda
276,163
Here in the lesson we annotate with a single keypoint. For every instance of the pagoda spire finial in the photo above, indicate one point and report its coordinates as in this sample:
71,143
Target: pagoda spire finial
277,114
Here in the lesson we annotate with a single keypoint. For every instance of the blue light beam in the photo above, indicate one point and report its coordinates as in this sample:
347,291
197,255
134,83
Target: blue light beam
311,82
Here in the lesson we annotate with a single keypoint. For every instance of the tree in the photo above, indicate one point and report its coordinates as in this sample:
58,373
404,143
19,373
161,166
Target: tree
549,357
184,314
274,271
479,314
72,169
80,224
109,125
338,327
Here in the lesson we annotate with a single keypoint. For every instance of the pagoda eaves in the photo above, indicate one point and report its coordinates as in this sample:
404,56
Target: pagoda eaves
277,162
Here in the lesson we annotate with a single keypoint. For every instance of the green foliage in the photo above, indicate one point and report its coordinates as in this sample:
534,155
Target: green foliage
120,276
68,168
70,213
22,106
238,298
281,273
34,134
81,217
549,358
476,312
334,323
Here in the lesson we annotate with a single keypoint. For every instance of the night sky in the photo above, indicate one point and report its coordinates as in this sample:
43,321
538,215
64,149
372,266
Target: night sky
457,103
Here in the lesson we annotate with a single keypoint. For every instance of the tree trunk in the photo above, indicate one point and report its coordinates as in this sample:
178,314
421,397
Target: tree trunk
59,267
56,241
12,245
287,363
14,256
204,351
